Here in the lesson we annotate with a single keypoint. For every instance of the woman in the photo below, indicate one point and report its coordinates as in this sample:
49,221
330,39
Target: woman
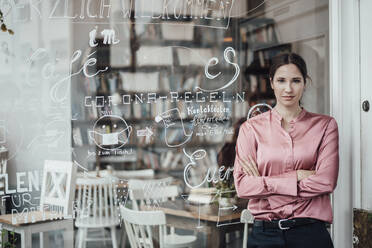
287,165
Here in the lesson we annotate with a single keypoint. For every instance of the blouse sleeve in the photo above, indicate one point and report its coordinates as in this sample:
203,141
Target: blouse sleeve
326,170
258,187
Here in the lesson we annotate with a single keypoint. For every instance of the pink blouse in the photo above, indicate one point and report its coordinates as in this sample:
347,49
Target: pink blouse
310,144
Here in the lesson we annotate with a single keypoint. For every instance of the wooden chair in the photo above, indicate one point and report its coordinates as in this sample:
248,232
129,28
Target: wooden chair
246,218
97,207
138,225
57,192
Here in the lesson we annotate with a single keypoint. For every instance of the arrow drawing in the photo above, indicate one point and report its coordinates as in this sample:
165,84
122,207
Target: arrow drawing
145,132
233,208
220,209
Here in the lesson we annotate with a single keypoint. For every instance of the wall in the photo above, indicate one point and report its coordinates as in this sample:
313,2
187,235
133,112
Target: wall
366,117
305,25
345,106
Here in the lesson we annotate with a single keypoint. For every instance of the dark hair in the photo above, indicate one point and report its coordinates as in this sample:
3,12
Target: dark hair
285,59
226,155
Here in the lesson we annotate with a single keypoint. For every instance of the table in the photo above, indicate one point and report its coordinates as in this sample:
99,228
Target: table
211,219
123,181
38,222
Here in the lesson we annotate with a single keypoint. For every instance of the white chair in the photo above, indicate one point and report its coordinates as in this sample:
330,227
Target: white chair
247,218
97,208
151,194
132,174
138,225
57,192
142,191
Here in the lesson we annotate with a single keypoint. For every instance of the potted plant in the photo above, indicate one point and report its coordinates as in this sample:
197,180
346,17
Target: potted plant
13,239
226,193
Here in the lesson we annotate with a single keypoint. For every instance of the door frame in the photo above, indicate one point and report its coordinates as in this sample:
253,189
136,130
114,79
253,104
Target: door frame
345,107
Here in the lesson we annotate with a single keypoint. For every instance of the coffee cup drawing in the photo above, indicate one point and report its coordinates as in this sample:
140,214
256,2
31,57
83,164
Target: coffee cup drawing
175,135
110,132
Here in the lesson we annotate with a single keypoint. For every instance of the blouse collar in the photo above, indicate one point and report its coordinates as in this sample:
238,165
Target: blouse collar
277,116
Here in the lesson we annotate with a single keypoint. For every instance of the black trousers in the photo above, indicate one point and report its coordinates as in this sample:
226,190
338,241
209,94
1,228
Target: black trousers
313,235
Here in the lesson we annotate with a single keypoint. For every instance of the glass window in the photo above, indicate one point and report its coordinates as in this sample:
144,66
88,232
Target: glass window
147,90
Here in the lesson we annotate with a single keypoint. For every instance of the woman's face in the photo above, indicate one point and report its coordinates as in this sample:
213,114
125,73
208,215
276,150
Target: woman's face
288,85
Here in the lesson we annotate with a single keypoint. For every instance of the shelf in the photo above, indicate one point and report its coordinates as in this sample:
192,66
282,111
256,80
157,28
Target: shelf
83,122
186,43
159,94
256,70
114,159
145,120
269,46
154,145
85,146
202,40
170,68
256,21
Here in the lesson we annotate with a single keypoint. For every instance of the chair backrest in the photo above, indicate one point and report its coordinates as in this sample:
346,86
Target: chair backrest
89,174
152,197
138,226
122,174
96,201
132,174
247,218
94,174
149,192
141,183
58,187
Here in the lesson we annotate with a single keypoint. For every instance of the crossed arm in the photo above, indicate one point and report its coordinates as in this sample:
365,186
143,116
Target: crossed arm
297,183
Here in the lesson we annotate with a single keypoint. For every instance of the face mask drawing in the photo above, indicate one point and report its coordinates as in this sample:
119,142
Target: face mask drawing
110,137
175,131
107,139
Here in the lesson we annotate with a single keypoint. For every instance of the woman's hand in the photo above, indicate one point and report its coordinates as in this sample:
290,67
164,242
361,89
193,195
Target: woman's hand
250,167
302,174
